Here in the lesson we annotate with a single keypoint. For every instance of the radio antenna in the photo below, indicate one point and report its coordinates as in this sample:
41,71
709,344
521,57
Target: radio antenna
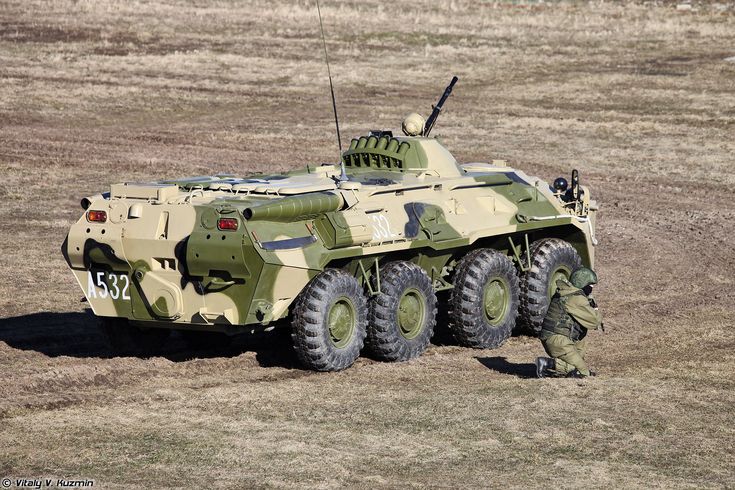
343,173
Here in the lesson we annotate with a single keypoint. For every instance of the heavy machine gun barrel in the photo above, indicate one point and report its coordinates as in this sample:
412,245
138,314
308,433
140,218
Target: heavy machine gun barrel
438,107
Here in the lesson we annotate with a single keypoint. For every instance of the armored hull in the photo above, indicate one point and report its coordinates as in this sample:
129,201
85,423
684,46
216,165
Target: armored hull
223,253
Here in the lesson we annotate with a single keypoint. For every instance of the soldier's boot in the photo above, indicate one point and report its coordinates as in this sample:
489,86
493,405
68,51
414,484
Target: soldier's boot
544,366
577,374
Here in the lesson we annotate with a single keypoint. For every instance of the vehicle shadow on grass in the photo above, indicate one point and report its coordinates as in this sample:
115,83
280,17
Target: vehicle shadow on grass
76,334
501,365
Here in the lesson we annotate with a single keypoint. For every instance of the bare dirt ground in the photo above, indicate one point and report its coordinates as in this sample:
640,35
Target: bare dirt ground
640,98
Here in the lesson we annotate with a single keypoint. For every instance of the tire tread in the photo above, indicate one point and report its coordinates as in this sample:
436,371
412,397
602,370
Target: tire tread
467,321
534,282
309,332
384,339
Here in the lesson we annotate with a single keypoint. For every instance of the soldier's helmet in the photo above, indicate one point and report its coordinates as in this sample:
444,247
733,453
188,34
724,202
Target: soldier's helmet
583,277
413,125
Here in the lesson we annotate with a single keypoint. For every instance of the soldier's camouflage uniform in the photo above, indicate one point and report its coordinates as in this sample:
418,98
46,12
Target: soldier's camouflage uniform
571,314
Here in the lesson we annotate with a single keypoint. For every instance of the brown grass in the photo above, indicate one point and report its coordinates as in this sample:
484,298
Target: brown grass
638,97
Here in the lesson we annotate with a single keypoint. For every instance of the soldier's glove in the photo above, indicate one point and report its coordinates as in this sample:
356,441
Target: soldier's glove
593,303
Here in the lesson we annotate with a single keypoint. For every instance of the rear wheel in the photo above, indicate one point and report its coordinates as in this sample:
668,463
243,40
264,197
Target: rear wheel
128,339
403,314
329,321
551,259
485,299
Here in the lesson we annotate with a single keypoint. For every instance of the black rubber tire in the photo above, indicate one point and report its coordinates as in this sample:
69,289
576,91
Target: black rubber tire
127,339
384,337
546,256
197,340
310,328
469,323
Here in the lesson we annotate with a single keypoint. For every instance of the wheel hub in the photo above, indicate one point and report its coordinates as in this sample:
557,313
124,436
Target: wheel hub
495,300
561,272
411,313
341,320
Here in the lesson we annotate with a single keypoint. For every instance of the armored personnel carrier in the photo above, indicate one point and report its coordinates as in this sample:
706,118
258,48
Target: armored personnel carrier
353,254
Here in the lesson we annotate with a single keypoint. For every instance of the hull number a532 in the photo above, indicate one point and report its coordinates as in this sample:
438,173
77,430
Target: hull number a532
101,284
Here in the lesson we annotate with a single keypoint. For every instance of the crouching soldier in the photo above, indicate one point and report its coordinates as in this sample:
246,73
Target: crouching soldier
571,314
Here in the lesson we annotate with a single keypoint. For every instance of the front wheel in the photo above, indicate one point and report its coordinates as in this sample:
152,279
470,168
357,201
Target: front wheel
329,321
551,259
403,314
484,301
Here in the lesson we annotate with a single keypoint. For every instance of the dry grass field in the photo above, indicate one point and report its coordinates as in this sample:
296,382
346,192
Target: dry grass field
639,97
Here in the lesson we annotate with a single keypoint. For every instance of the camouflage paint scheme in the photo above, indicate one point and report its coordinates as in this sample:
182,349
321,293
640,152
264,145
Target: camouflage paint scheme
160,258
